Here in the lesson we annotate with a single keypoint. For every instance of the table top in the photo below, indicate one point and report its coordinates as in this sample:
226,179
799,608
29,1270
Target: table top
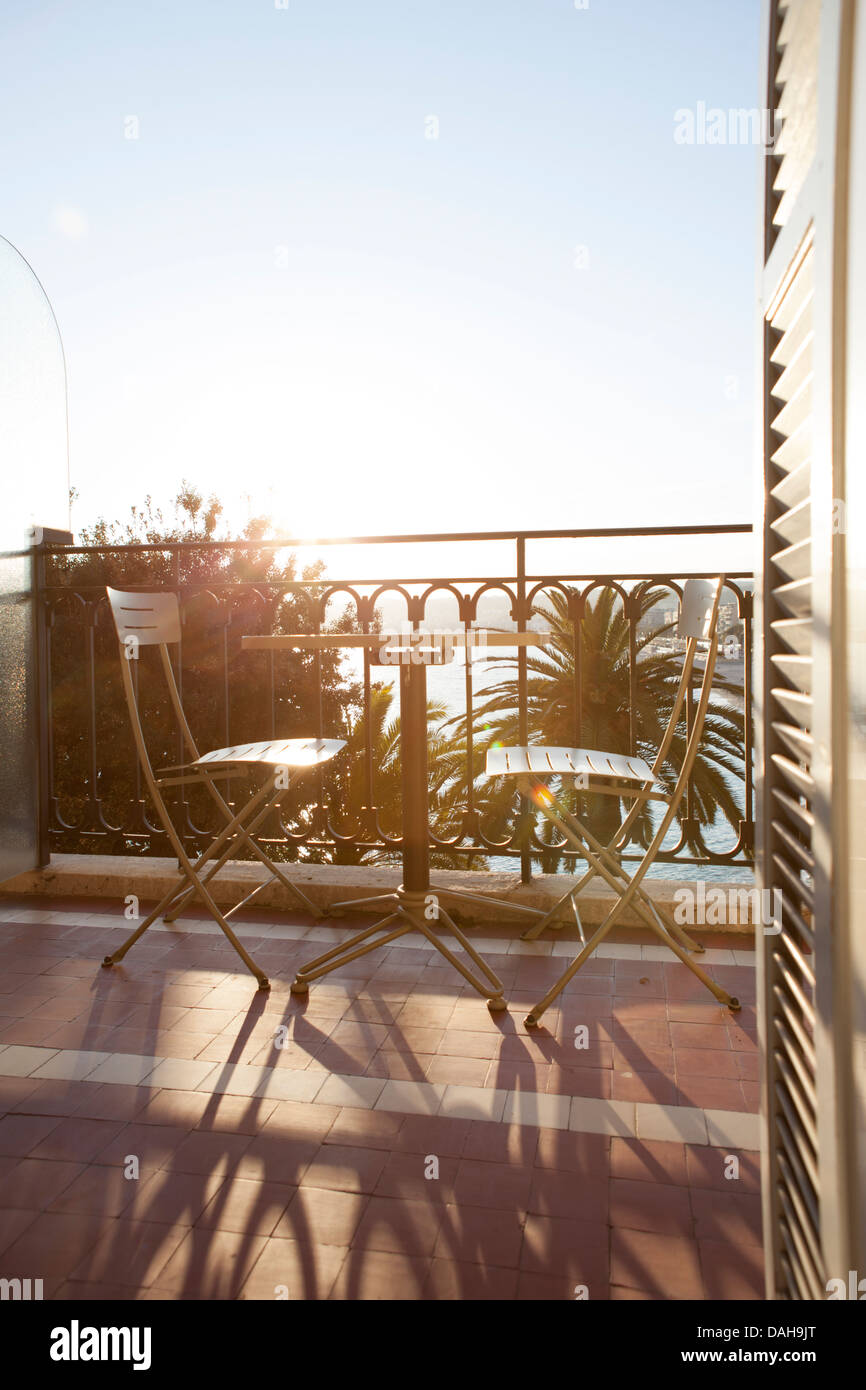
397,642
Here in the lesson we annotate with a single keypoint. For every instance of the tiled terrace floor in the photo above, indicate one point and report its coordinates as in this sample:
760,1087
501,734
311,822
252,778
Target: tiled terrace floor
402,1142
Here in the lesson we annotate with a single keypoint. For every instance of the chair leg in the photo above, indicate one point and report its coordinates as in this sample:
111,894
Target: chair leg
534,1016
264,982
721,994
605,852
244,835
614,876
234,842
660,915
628,892
533,932
139,931
256,848
675,930
199,889
117,956
174,901
276,873
166,900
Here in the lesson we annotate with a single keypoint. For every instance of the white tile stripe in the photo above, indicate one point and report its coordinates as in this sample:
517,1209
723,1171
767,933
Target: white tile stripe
290,931
585,1115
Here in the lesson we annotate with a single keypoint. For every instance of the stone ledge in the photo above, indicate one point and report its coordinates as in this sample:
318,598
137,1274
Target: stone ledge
115,876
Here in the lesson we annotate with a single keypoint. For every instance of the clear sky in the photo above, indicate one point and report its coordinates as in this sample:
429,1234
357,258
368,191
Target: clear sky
286,292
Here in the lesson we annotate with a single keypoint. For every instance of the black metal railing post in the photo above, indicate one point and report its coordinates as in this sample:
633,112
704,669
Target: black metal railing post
43,699
523,708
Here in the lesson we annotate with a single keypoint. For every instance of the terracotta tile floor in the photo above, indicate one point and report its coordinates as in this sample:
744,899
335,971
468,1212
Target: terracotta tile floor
168,1132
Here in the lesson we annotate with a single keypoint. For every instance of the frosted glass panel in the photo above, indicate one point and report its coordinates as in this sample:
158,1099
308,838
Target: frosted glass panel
34,476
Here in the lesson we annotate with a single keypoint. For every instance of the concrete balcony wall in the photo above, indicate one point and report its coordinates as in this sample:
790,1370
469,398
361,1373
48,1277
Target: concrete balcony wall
117,876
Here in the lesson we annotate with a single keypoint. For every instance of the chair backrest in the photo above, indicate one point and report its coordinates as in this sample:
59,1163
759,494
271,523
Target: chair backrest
697,607
699,617
699,612
703,625
699,620
149,619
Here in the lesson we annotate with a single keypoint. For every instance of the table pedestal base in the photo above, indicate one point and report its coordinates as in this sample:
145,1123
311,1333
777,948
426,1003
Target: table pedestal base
411,911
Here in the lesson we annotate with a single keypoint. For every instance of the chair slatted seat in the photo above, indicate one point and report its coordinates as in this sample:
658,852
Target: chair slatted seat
566,762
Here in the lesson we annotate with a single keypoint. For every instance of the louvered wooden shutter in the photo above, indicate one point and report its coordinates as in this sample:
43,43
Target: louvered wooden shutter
799,689
789,867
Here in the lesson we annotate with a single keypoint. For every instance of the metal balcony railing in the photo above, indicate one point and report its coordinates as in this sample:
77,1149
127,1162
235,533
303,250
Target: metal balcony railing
598,677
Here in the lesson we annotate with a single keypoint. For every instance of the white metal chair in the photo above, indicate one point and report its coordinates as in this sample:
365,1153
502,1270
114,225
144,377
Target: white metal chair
153,619
628,778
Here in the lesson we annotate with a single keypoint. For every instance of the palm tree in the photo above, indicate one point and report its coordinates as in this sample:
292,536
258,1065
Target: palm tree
604,634
447,785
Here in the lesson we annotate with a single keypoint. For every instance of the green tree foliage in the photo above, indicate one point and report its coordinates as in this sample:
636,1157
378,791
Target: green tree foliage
447,784
229,695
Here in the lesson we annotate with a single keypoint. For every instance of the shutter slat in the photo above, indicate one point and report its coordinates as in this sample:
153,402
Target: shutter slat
794,703
794,487
795,848
795,412
794,524
795,598
795,810
798,670
795,775
796,633
794,451
802,892
798,741
795,561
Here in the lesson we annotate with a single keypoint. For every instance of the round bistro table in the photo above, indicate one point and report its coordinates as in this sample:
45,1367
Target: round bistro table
413,907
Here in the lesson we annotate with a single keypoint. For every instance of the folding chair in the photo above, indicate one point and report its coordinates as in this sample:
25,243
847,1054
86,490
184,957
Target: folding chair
153,619
628,778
